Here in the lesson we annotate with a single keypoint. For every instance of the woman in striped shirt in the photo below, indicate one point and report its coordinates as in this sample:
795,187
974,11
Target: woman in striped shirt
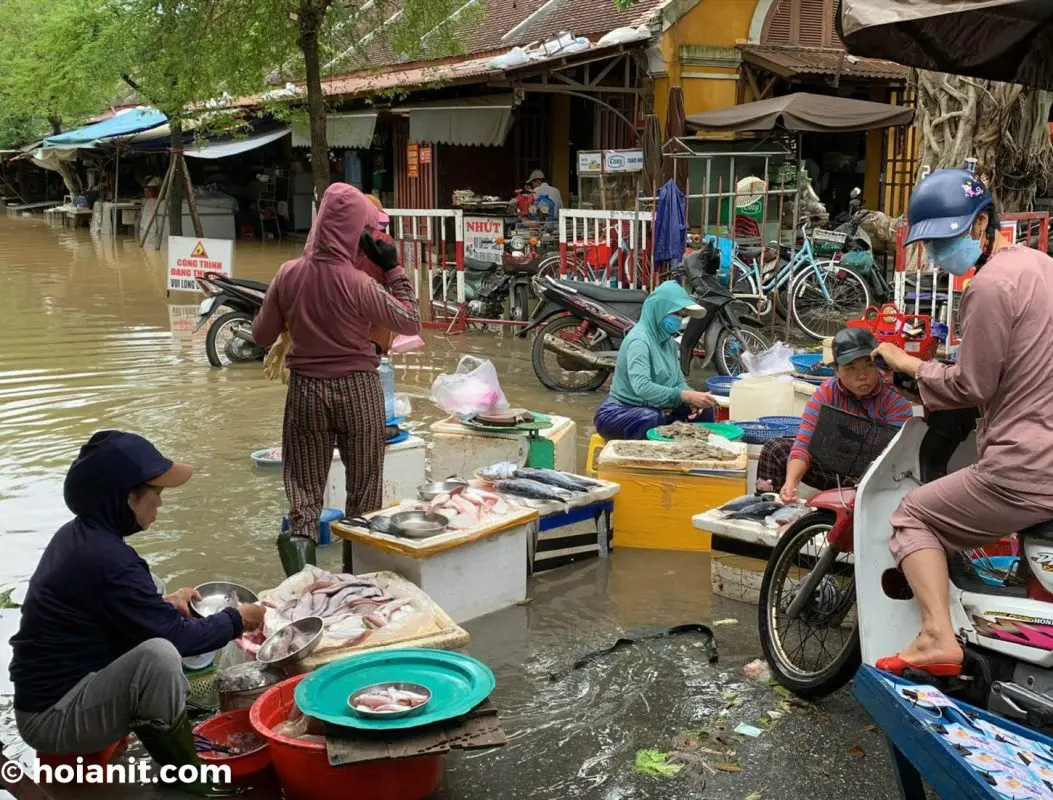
857,388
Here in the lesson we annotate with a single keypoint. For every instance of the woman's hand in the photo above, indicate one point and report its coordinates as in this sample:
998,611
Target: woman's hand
698,399
896,359
788,493
181,598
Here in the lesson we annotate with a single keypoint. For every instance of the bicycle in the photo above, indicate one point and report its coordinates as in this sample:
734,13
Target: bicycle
822,294
599,262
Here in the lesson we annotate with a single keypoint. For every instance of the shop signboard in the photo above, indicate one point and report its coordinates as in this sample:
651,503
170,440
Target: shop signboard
190,258
425,154
412,160
622,160
480,239
590,162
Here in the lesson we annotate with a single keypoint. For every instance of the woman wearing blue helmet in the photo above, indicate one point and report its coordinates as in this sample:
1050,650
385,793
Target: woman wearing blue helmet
1004,370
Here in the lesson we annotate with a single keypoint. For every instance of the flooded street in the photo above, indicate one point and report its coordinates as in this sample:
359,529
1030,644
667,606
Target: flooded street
90,341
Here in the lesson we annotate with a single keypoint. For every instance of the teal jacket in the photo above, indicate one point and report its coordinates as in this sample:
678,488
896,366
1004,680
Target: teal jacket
648,372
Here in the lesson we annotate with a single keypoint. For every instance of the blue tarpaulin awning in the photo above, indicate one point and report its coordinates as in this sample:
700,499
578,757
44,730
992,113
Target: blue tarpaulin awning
130,120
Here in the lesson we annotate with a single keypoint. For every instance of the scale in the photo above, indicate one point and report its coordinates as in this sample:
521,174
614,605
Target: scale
534,450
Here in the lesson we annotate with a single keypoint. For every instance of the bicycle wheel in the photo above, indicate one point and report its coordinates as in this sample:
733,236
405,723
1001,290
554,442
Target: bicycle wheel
818,316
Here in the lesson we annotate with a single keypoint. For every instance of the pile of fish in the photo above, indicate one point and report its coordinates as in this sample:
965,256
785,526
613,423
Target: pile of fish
536,484
765,508
390,699
683,430
678,450
351,607
466,507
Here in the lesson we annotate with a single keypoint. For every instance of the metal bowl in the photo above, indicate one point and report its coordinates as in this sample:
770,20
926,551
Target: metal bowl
383,687
309,626
429,491
418,524
214,597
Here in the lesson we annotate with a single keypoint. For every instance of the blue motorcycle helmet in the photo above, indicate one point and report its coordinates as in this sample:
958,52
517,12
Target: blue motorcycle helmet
945,205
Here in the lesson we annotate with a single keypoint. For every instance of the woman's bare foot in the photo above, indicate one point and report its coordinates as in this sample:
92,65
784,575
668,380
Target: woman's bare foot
929,649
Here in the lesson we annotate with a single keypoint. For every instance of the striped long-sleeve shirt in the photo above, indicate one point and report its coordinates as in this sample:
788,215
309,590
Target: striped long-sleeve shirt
884,405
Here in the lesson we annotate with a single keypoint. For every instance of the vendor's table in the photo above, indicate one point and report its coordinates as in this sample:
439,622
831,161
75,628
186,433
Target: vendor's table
468,573
459,451
404,471
920,753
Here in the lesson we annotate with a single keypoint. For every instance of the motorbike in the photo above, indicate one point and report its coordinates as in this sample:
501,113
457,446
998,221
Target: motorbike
1003,612
231,333
583,324
857,250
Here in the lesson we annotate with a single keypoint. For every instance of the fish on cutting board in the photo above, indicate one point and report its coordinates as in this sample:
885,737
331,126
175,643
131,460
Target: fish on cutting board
756,512
552,477
746,500
502,470
535,490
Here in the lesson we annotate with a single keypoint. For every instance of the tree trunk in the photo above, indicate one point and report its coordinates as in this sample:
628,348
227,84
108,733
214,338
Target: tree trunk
312,14
175,188
1003,126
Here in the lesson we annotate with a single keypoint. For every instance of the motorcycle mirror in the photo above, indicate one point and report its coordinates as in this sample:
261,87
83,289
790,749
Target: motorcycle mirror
855,193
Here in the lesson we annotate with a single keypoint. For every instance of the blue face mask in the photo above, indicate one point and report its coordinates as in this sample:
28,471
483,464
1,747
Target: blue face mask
671,324
957,256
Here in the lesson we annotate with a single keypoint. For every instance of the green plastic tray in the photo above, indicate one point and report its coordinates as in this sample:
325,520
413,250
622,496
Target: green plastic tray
541,421
458,683
730,432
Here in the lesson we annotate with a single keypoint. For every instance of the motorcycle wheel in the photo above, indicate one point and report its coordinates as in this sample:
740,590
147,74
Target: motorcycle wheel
520,310
817,672
552,378
236,350
730,346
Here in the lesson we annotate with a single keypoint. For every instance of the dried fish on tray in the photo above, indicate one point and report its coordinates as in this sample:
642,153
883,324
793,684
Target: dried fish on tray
682,455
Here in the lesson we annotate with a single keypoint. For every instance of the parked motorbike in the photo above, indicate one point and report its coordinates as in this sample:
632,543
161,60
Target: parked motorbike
230,336
581,326
857,251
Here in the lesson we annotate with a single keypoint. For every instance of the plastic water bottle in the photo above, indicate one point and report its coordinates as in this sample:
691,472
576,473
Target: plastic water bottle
387,382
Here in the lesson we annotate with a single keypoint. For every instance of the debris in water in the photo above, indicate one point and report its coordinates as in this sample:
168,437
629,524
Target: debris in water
655,762
856,751
727,766
748,730
691,627
5,599
725,621
758,670
754,796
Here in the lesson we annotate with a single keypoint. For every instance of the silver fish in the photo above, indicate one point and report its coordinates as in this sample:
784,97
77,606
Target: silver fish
554,478
502,470
746,500
524,487
756,512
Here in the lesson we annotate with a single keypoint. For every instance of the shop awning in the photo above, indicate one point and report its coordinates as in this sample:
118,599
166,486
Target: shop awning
791,62
1001,40
803,111
222,148
352,131
472,121
126,121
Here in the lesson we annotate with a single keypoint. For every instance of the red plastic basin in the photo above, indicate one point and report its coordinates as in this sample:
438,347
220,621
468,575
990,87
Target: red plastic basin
216,729
305,773
100,757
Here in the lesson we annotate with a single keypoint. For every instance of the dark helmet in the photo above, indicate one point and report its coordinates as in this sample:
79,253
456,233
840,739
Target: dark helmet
945,205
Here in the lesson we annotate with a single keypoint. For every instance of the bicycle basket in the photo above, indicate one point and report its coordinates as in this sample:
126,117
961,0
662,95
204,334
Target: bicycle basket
846,443
827,242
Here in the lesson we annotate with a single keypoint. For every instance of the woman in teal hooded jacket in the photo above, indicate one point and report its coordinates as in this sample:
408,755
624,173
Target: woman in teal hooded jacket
649,388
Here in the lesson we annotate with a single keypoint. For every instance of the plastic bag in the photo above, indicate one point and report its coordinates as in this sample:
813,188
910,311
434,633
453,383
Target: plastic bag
406,344
472,389
403,406
773,361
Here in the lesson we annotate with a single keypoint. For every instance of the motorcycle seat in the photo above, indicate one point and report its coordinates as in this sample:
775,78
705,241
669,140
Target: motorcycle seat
1043,530
603,294
245,283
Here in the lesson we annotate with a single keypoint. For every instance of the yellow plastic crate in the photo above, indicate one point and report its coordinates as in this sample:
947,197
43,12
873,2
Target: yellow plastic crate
653,510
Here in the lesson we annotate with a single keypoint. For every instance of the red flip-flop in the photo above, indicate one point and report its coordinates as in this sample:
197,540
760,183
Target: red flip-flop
897,666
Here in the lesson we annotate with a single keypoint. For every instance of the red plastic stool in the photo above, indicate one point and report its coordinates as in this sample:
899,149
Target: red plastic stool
100,757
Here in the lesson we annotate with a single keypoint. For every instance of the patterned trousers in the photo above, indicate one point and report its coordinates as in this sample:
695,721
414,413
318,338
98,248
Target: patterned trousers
774,458
317,411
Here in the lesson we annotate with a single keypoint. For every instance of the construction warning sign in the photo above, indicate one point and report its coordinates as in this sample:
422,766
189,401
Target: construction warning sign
190,258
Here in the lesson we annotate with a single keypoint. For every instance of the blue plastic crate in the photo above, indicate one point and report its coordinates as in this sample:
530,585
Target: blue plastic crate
811,364
720,384
792,424
756,432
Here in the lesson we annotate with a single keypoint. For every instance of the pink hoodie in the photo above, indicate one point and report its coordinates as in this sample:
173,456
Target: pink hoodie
328,303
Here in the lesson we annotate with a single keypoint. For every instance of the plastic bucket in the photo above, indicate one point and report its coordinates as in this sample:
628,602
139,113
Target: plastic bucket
216,729
303,767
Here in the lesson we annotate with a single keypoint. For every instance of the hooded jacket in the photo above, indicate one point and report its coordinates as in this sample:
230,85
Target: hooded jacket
92,598
647,372
327,302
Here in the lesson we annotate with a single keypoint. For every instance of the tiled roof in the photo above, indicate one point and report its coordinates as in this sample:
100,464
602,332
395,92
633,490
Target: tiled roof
791,61
582,18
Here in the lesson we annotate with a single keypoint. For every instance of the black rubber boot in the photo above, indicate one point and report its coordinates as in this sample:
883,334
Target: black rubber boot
174,746
295,553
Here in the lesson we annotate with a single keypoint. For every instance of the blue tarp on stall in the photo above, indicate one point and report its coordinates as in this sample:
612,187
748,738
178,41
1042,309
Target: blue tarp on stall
130,120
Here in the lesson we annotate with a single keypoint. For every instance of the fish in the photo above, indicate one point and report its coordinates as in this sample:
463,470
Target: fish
372,700
755,512
525,487
786,515
746,500
501,471
554,478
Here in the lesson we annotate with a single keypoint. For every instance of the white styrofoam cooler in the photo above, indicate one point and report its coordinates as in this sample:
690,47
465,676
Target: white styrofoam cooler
403,473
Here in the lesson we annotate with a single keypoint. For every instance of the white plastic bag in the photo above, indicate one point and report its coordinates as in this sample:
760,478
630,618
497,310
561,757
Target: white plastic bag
472,389
773,361
403,406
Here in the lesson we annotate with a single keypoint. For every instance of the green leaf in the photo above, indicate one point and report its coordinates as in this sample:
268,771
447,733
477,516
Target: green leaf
5,599
655,762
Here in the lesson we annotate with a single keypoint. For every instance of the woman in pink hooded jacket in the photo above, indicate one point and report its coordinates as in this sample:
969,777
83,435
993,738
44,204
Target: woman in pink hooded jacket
328,303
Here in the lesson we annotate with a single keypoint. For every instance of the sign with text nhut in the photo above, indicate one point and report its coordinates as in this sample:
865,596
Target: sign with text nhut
190,258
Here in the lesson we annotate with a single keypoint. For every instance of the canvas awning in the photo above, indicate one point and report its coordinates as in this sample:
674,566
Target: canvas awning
222,148
353,131
1002,40
802,111
126,121
471,121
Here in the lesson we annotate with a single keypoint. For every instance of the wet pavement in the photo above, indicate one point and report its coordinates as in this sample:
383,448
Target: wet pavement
89,340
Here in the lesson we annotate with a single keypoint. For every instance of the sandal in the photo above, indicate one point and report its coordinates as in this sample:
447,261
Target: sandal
897,666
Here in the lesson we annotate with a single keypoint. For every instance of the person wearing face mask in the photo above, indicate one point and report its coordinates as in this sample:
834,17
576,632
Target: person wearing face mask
857,387
648,388
97,653
1003,369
